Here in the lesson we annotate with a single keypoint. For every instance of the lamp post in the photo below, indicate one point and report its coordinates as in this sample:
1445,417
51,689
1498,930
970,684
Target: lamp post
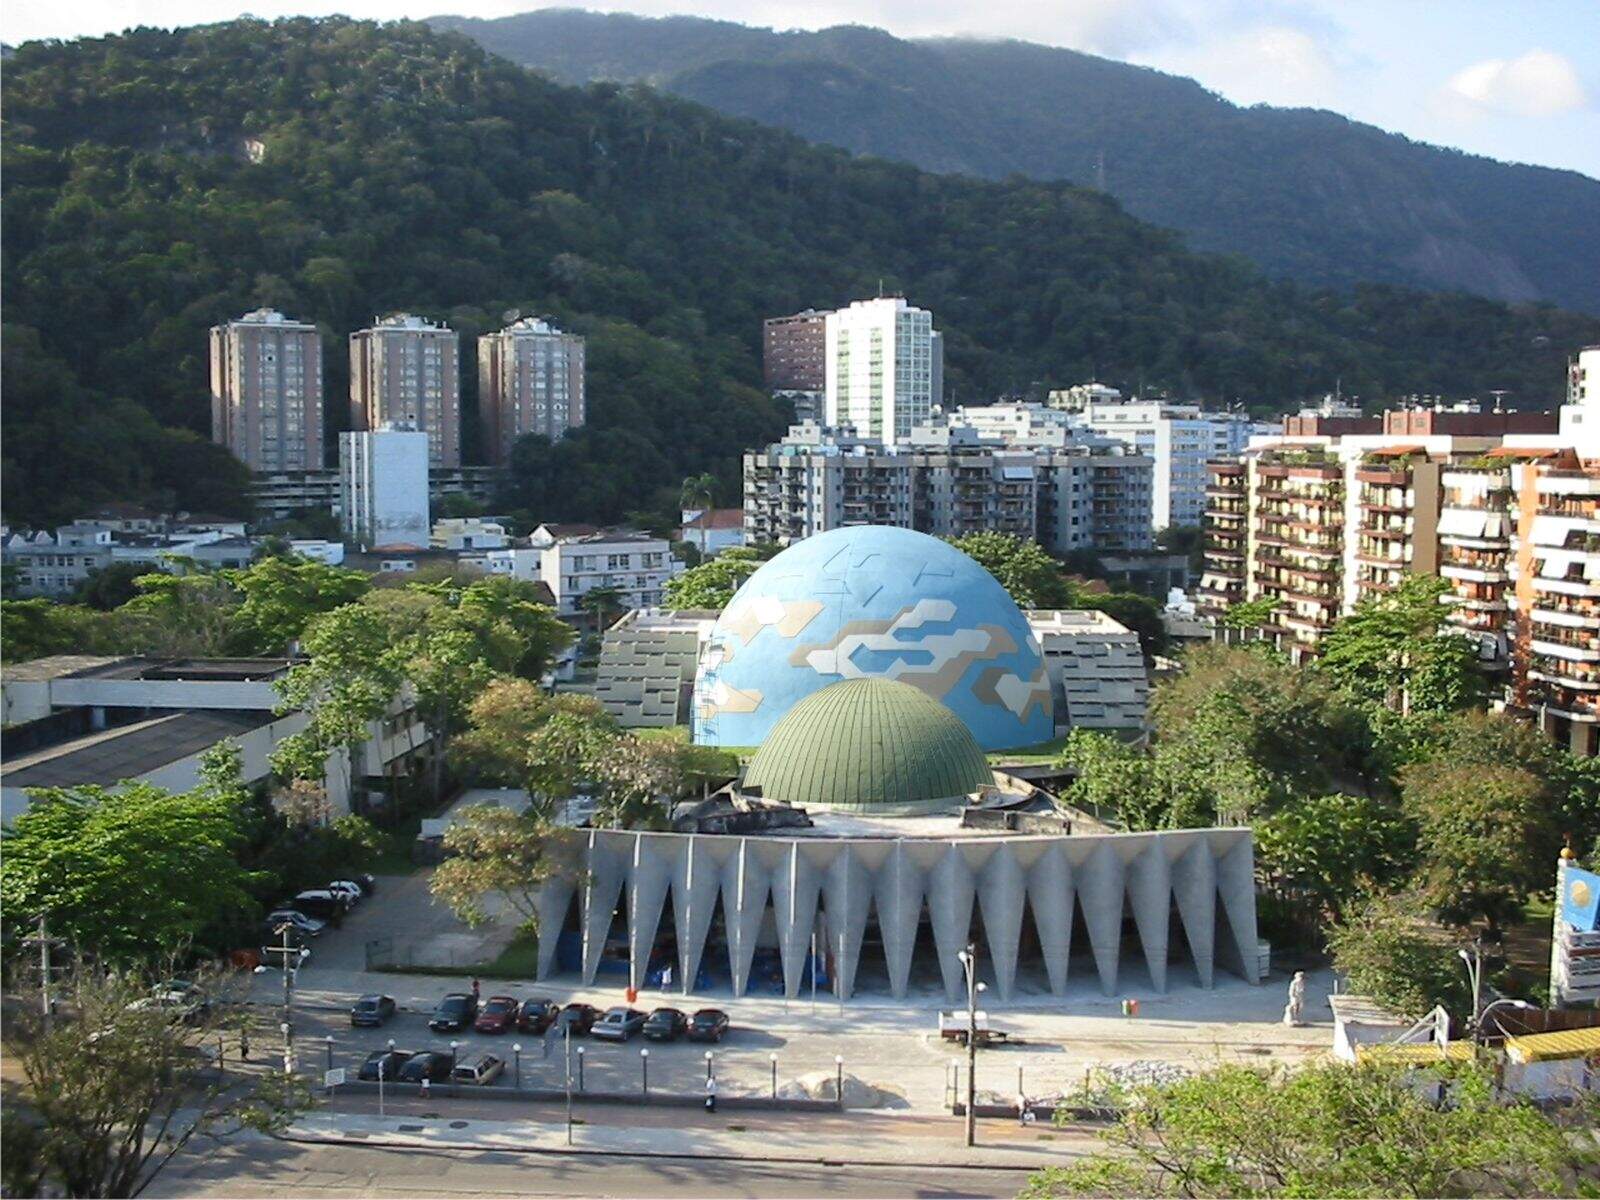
580,1060
1474,965
568,1029
774,1058
454,1058
969,963
708,1064
644,1071
330,1051
1477,1032
838,1079
516,1048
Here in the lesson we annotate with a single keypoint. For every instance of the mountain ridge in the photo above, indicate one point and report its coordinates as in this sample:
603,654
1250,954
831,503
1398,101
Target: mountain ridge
1305,193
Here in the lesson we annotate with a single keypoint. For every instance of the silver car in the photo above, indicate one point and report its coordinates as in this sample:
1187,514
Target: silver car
479,1070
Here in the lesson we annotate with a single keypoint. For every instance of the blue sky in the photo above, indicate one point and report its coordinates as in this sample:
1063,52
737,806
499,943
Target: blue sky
1516,80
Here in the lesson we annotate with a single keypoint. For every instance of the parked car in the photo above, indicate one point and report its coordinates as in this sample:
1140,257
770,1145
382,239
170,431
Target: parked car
618,1025
577,1016
179,999
347,891
308,925
665,1025
321,904
708,1025
432,1065
367,883
455,1012
392,1062
372,1009
536,1016
498,1015
479,1069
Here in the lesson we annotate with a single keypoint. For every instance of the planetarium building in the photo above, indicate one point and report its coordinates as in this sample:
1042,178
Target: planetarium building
869,838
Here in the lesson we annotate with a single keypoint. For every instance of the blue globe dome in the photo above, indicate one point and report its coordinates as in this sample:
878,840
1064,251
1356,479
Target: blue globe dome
872,602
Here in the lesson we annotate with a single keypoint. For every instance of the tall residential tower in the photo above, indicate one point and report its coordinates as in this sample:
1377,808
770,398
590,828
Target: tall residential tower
405,370
530,380
266,391
884,368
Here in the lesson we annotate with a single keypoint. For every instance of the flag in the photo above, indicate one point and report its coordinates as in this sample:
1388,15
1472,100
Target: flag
1580,898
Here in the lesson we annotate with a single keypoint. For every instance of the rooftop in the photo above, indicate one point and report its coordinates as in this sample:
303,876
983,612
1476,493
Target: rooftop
57,666
109,756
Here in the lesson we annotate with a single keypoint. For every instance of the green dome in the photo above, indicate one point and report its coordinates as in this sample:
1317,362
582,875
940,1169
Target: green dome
870,745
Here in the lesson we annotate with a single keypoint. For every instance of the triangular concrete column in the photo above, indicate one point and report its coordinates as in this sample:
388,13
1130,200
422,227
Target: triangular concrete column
745,883
652,871
1194,886
698,875
608,871
1001,890
1149,882
898,891
1236,886
1099,881
847,888
551,905
1050,895
795,883
950,891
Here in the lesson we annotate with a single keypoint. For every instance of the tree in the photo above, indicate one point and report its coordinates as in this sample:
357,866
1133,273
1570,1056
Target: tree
115,1086
601,603
1139,613
1385,948
1486,838
494,852
1396,649
1325,1129
519,737
1333,848
281,595
179,616
536,634
1114,779
131,874
39,627
1021,566
699,492
1246,616
637,777
111,586
712,584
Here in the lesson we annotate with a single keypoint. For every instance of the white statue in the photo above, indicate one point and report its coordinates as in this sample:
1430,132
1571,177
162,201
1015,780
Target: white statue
1293,1011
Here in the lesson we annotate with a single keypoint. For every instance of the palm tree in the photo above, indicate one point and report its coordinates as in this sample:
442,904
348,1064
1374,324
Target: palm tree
598,601
700,492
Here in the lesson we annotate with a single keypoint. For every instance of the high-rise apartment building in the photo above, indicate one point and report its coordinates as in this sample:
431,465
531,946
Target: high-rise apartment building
530,380
794,352
383,487
266,391
406,370
884,368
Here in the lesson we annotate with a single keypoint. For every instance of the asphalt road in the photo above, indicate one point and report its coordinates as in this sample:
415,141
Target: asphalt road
256,1166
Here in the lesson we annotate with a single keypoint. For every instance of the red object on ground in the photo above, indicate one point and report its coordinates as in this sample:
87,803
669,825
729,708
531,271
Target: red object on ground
633,995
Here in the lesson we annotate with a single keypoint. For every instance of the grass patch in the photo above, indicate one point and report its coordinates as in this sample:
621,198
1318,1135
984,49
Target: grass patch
1036,755
519,960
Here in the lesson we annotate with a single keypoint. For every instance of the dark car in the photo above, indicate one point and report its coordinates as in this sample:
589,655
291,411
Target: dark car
321,904
578,1017
455,1012
390,1060
432,1065
499,1015
665,1025
372,1009
708,1025
618,1025
536,1016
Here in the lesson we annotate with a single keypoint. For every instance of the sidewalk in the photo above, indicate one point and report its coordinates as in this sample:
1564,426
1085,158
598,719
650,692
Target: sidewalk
854,1139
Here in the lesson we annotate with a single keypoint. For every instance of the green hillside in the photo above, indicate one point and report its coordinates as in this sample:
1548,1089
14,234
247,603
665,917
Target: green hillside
1306,194
158,182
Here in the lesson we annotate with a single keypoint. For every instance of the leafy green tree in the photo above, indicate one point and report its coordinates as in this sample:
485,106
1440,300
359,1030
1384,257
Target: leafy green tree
519,737
1021,566
602,604
179,616
1114,779
1396,649
281,595
1139,613
1334,848
129,874
38,628
712,584
496,854
638,778
110,586
1248,616
1486,838
1324,1129
535,634
1386,948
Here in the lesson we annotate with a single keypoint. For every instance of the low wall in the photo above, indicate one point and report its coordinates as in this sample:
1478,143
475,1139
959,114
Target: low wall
654,1099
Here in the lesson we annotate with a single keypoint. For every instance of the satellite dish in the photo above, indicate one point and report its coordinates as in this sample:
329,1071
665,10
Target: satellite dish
510,315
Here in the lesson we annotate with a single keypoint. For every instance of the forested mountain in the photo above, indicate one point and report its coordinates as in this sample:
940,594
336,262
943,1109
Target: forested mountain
158,182
1306,194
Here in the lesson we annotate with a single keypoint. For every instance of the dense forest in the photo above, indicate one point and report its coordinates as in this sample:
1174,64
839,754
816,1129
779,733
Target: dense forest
158,182
1306,194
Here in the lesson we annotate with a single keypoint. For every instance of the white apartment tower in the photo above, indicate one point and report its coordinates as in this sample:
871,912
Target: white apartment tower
884,368
1181,439
530,380
406,371
266,391
383,487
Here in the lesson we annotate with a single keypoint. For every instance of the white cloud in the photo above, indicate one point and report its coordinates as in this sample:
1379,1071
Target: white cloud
1268,64
1539,83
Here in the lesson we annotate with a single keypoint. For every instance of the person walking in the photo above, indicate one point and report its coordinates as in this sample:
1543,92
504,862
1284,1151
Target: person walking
711,1093
244,1043
477,989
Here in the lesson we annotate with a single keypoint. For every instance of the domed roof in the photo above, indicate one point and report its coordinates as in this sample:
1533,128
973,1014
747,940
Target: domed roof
870,745
864,602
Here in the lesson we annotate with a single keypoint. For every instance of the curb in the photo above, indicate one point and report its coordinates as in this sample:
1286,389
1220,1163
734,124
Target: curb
596,1152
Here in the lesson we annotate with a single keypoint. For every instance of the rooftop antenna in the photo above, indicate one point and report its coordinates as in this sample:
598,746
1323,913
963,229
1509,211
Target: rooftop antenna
1499,394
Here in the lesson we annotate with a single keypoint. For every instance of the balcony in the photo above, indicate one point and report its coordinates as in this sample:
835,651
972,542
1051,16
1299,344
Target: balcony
1384,476
1576,643
1566,701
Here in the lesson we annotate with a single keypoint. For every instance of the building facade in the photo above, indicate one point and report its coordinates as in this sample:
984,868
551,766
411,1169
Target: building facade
266,391
405,370
884,368
383,488
530,380
794,352
575,560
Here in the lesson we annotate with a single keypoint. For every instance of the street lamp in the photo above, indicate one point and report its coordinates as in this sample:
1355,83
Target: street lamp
969,964
1477,1032
644,1071
774,1057
708,1064
1474,965
838,1079
580,1062
516,1048
454,1056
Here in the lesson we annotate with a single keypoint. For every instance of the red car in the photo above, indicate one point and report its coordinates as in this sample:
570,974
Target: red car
499,1015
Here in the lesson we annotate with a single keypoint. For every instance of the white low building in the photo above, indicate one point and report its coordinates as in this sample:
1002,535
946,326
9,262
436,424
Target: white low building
1096,667
383,487
576,559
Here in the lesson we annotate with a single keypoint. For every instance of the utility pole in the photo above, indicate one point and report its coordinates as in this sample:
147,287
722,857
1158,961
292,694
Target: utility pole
569,1082
969,961
44,970
288,1008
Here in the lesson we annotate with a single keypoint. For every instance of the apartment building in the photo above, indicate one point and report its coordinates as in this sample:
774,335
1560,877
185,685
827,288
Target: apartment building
794,352
574,560
883,368
530,380
1226,516
383,488
817,479
406,371
266,391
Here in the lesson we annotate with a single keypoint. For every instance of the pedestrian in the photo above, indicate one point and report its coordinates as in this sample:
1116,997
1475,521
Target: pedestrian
1022,1110
711,1093
424,1087
244,1044
476,989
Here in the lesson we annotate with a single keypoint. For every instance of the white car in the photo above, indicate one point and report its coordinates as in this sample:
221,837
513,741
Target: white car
309,926
350,891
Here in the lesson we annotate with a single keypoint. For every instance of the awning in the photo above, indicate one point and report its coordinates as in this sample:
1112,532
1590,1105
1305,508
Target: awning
1553,531
1546,1047
1462,522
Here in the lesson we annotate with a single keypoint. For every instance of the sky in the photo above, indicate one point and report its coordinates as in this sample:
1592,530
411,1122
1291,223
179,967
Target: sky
1517,80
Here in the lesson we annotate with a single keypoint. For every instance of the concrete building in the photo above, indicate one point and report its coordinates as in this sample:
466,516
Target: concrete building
712,530
884,368
383,488
818,479
405,370
266,391
530,380
647,666
573,560
794,352
1097,674
468,533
